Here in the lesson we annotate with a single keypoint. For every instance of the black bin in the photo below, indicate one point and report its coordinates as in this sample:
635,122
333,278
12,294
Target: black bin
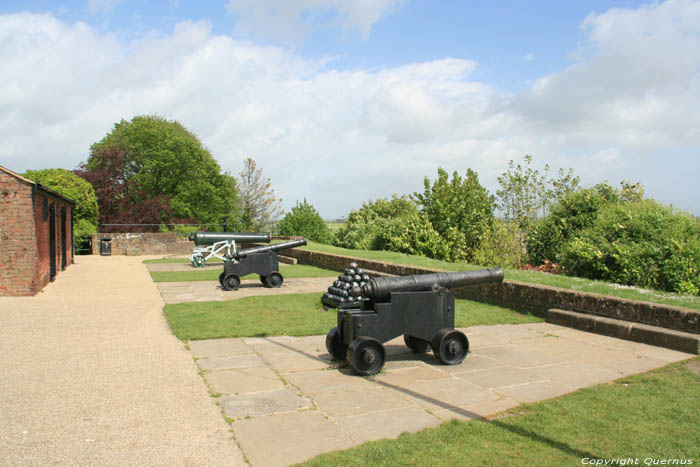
106,246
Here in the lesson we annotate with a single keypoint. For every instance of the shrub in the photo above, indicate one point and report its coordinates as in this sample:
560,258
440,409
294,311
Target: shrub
460,210
500,246
573,213
639,243
366,229
304,220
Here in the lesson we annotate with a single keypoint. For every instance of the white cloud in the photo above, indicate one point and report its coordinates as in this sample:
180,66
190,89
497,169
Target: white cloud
291,19
338,138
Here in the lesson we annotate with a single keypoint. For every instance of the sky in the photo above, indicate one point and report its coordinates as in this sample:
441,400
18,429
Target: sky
346,101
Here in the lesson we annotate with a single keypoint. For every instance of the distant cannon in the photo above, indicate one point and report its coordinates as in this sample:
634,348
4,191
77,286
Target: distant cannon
420,307
220,245
260,260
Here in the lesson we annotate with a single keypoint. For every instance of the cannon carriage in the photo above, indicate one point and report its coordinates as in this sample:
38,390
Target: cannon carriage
261,260
421,307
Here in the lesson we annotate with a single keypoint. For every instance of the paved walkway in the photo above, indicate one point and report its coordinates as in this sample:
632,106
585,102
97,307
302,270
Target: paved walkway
91,375
211,291
287,391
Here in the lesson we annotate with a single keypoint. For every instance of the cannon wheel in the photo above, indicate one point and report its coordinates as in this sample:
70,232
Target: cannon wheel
231,282
366,355
335,347
274,280
198,261
221,278
415,344
450,346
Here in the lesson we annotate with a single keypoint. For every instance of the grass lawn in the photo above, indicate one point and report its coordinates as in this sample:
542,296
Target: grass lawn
534,277
212,274
296,315
649,417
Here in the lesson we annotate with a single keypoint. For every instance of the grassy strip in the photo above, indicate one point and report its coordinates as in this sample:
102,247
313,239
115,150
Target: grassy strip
295,315
532,277
211,274
649,416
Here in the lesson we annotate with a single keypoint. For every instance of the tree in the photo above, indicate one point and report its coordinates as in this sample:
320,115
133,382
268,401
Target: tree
527,195
460,210
71,186
259,206
124,206
304,220
156,170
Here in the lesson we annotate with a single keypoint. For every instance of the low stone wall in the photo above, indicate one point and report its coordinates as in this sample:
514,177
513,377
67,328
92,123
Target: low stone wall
536,299
151,243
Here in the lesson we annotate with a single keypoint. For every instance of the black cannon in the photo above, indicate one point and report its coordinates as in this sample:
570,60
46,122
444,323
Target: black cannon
260,260
220,245
421,307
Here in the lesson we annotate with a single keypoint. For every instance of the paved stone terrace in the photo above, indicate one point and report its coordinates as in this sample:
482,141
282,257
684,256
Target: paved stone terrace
290,401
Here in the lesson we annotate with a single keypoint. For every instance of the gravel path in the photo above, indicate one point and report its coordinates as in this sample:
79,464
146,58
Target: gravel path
91,375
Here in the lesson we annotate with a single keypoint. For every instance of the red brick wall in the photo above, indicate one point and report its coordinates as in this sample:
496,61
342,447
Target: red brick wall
17,246
24,237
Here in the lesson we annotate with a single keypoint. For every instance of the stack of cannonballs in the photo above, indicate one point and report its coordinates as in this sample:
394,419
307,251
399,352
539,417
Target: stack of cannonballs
338,295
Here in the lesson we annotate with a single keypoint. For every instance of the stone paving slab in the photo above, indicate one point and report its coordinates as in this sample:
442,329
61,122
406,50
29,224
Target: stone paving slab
323,406
211,291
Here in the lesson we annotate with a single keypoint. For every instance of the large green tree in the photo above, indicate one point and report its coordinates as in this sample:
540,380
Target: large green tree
158,163
71,186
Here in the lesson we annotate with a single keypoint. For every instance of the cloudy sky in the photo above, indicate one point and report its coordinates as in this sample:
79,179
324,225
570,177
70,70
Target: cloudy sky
342,101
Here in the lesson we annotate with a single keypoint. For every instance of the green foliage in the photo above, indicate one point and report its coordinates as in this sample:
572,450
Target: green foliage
163,158
367,228
576,211
180,230
71,186
526,195
500,246
413,234
460,211
304,220
638,243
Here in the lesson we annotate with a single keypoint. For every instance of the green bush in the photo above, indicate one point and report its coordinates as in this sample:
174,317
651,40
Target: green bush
460,210
366,229
500,246
304,220
640,243
573,213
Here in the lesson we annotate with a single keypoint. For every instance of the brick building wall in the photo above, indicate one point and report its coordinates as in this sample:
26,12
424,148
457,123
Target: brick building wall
25,232
17,244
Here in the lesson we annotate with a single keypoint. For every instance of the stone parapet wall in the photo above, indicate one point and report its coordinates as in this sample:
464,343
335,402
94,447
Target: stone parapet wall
536,299
148,243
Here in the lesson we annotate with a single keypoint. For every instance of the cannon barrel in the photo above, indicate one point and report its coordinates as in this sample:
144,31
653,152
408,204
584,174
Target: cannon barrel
380,287
276,247
209,238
